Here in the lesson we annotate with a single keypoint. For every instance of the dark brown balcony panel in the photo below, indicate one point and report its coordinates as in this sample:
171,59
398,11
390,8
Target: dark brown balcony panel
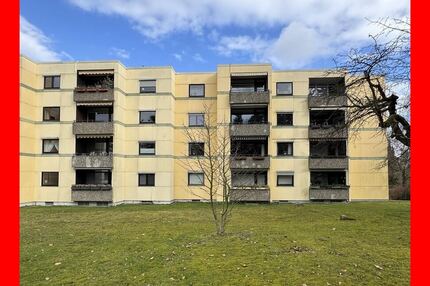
91,128
240,162
92,193
328,163
262,129
321,101
92,161
326,133
86,94
321,193
250,194
261,97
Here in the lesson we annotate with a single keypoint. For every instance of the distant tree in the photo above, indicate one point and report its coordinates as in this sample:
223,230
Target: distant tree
382,67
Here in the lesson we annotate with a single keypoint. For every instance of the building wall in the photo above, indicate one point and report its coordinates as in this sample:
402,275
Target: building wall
367,146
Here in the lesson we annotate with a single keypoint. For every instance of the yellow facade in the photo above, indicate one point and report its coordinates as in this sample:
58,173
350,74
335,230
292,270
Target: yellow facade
366,147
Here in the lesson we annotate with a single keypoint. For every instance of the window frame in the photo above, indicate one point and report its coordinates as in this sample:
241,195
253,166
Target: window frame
189,149
56,184
196,125
196,173
43,145
284,185
52,81
147,154
287,142
51,107
277,118
196,84
155,115
146,174
155,86
285,94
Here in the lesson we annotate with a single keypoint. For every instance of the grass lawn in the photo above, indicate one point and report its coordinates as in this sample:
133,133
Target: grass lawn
175,245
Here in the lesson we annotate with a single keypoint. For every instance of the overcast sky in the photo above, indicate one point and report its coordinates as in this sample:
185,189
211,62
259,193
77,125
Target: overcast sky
196,35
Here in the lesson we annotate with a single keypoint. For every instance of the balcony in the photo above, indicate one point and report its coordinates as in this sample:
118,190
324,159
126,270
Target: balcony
91,193
249,97
328,163
329,193
256,129
93,94
250,194
248,162
93,128
334,132
93,160
325,101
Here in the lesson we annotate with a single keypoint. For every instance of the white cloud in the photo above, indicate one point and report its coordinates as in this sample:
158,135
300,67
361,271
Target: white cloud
198,58
36,45
120,53
328,26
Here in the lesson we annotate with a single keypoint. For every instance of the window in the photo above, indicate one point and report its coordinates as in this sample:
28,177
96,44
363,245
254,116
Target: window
51,114
196,149
147,117
284,88
285,179
146,180
146,148
285,148
50,179
50,146
196,179
284,119
196,119
147,86
196,90
51,82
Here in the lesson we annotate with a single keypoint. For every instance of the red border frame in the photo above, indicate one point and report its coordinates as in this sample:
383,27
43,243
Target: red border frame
9,170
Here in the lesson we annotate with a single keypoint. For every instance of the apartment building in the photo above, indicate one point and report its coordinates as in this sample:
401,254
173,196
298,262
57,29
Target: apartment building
99,133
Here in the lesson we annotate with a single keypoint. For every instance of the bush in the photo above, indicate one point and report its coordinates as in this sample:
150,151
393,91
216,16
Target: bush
400,193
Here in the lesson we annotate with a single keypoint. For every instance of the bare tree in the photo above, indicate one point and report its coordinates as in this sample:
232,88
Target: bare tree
374,75
214,162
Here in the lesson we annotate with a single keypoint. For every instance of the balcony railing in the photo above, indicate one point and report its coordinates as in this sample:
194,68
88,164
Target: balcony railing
337,132
91,127
250,194
328,162
254,129
333,192
250,162
93,160
92,193
249,96
93,94
330,100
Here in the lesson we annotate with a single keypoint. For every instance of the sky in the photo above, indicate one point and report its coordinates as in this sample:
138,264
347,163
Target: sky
196,35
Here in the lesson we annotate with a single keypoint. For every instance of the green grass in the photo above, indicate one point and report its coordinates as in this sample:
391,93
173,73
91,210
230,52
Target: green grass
175,245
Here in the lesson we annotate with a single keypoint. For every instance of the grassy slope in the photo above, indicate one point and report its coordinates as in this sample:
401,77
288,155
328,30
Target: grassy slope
175,245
